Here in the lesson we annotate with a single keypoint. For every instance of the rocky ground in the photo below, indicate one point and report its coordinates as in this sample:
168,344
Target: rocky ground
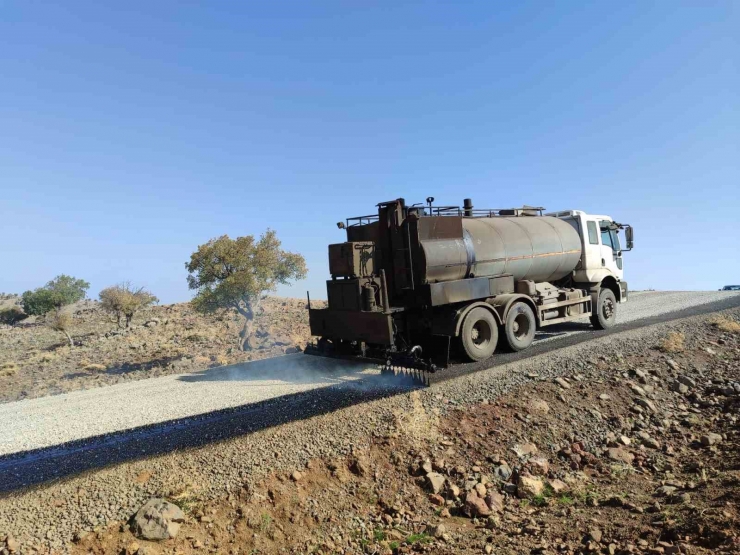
628,444
170,339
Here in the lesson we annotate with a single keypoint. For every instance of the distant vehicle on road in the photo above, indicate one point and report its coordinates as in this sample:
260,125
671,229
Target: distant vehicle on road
731,288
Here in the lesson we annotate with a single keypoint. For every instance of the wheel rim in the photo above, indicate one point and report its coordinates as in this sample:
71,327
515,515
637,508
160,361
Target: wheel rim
481,334
521,326
608,309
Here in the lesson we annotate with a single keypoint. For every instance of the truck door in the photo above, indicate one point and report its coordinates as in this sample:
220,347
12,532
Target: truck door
611,251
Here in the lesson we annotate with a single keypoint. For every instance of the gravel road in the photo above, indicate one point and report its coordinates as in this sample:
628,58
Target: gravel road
49,421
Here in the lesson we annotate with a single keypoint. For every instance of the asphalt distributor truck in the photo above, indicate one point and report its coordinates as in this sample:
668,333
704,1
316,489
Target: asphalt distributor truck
414,285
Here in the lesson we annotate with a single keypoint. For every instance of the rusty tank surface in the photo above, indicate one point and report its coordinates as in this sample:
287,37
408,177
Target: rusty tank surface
411,284
529,248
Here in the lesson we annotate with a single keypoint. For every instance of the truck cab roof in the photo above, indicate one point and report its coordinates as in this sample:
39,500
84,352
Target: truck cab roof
578,213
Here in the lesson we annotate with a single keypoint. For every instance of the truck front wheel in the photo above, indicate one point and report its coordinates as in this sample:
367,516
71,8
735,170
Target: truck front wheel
520,326
479,334
605,314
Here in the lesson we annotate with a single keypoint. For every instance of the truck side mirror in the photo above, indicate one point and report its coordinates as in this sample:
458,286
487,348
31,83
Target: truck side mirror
629,234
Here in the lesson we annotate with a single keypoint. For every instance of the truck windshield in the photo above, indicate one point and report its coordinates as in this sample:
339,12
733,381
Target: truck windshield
609,237
615,241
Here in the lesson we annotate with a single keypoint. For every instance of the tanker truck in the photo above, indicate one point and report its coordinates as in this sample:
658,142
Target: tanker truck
422,285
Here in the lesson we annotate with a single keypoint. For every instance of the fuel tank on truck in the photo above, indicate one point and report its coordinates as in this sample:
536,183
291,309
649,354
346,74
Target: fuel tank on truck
537,248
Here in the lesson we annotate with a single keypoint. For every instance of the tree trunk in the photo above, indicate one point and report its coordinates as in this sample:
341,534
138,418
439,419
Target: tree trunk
69,338
248,328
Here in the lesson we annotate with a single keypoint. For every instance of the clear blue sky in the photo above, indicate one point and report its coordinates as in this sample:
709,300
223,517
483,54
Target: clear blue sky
132,132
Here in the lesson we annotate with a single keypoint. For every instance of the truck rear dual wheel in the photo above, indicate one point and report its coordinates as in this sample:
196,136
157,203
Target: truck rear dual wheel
605,314
479,334
520,326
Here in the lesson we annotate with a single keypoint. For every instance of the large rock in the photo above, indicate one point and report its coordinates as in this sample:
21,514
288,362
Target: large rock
529,486
710,439
647,440
525,449
436,481
538,406
678,387
13,545
495,501
503,472
646,403
436,530
158,520
620,455
475,505
539,466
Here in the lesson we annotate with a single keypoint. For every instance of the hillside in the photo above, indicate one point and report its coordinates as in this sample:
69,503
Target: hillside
627,444
36,361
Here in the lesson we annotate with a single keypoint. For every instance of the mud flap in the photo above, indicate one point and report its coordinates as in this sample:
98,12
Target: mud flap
624,290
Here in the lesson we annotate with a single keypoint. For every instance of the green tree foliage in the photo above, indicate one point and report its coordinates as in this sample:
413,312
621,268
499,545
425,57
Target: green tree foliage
60,319
12,315
60,291
237,273
123,301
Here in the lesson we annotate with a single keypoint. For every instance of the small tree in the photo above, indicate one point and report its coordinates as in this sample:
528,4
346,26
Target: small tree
12,315
60,319
60,291
237,273
123,301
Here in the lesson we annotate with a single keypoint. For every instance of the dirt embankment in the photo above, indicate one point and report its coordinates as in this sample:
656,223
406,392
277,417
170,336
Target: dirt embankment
636,451
171,339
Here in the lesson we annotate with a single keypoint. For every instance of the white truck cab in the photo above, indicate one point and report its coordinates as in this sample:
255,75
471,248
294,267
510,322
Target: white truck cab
601,265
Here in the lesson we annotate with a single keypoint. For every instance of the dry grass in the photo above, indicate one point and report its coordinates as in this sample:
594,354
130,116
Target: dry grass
723,323
47,357
219,360
672,343
201,360
93,367
8,369
417,424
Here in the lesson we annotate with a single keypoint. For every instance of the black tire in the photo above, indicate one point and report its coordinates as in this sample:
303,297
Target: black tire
520,326
605,313
479,334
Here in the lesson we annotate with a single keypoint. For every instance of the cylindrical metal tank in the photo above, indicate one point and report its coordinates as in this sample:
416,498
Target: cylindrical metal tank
537,248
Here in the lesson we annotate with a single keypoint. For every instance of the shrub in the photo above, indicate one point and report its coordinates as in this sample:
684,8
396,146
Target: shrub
60,291
123,301
672,343
93,367
723,323
8,368
60,319
12,315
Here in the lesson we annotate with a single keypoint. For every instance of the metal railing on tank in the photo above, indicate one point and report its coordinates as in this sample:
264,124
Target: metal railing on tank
422,210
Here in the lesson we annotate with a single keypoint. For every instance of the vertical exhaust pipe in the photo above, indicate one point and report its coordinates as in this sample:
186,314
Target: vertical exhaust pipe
468,207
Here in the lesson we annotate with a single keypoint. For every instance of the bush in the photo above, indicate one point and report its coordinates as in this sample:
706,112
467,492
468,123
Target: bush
8,369
12,315
60,319
723,323
123,301
60,291
672,343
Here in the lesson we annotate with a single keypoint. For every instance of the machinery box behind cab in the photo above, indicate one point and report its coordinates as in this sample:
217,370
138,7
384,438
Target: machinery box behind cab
352,259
